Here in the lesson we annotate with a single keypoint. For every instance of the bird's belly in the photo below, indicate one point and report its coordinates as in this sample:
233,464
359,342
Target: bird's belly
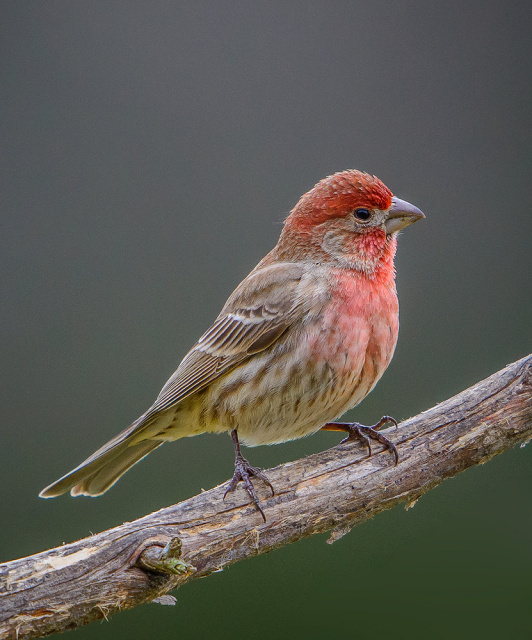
293,389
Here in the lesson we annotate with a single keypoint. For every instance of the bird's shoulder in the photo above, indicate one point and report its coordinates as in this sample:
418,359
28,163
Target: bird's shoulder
272,290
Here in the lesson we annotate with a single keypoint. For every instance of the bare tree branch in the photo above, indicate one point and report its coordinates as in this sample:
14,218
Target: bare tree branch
141,561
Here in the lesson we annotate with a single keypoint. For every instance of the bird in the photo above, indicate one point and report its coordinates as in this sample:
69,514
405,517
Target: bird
301,340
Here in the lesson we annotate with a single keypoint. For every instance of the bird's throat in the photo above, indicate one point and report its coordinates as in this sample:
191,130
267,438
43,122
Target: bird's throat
370,254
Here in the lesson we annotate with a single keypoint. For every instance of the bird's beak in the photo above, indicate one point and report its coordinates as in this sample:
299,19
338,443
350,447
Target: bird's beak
400,215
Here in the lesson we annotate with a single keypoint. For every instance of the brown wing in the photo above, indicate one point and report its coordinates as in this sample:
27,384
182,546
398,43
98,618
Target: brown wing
258,312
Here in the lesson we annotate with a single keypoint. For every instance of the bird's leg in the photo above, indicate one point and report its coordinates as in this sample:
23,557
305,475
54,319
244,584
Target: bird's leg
244,472
359,432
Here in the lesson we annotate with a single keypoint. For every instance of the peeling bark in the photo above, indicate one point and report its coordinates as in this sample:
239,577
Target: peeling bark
142,561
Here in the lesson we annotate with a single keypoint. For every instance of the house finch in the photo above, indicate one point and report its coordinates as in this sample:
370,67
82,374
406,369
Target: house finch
305,337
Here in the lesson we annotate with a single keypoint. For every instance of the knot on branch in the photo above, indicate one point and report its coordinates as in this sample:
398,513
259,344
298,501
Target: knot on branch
165,559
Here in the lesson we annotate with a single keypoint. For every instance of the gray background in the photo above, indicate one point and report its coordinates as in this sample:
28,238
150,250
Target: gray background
149,152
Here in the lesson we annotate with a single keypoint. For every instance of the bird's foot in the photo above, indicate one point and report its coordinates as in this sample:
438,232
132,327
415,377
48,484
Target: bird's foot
243,473
359,432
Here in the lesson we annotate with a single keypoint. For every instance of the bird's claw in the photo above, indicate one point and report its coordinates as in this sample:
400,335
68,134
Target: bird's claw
243,473
359,432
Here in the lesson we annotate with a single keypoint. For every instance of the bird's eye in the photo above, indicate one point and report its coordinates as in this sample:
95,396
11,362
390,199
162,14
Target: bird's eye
363,215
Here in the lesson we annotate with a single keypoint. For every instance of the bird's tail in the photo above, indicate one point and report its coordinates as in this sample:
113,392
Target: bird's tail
100,471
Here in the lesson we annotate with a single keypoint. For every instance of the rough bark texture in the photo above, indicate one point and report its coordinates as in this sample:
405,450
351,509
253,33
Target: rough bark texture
140,561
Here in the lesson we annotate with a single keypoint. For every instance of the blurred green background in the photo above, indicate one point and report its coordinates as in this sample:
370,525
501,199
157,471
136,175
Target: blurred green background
150,151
